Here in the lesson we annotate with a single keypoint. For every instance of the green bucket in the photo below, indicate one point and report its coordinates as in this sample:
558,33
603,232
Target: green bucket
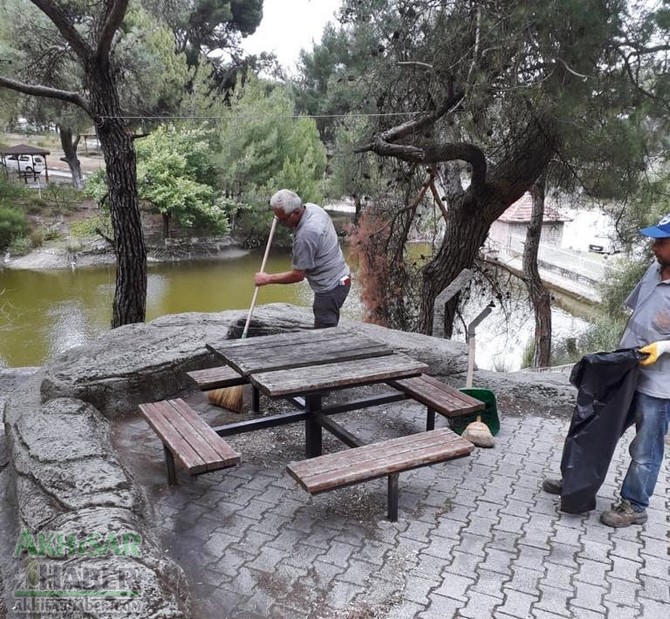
489,415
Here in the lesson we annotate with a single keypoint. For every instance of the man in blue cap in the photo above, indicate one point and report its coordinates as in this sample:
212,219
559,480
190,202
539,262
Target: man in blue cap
648,329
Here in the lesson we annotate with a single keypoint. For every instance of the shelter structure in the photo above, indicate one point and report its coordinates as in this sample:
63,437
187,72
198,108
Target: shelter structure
513,224
90,135
25,149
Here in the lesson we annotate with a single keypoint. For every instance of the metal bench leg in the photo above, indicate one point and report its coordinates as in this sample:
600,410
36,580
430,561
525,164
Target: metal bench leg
255,400
393,497
430,419
313,432
169,463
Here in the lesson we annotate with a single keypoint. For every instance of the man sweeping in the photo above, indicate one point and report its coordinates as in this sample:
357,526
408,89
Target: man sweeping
317,256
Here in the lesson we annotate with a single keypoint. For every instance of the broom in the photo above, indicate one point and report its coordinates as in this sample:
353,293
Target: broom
232,398
477,432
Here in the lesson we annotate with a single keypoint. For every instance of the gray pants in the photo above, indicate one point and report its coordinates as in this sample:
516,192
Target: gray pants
326,306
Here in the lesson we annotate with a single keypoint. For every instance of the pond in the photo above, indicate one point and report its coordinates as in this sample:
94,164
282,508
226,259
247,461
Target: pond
44,313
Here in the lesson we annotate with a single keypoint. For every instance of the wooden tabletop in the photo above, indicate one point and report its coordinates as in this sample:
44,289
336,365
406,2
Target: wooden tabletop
303,362
338,375
297,349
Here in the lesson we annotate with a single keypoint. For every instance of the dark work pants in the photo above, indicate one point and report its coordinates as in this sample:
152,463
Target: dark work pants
326,306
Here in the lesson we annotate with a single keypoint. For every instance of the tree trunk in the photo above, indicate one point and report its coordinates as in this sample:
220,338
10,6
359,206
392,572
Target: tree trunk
471,213
119,152
166,226
463,236
539,295
358,207
69,146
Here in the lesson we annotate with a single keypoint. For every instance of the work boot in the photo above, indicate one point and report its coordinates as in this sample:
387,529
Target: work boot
622,514
552,486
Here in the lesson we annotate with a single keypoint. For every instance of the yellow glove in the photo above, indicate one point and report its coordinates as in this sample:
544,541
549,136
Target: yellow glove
654,351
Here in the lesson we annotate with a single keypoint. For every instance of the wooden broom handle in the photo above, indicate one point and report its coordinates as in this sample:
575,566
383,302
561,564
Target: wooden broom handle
265,259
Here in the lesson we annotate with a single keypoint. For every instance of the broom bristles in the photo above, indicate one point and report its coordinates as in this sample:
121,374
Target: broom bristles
230,398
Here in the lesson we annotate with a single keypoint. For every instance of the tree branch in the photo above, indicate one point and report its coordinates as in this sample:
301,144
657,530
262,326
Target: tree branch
459,151
436,197
65,27
501,265
46,91
416,63
116,14
107,239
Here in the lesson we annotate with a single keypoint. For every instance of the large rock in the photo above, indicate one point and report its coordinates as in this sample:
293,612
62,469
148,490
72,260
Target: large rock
136,363
545,394
71,486
148,362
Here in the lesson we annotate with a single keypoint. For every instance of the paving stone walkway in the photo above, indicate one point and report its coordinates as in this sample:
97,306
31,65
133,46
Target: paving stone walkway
476,537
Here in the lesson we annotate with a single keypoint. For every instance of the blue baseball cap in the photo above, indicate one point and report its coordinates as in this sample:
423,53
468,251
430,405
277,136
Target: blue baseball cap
660,231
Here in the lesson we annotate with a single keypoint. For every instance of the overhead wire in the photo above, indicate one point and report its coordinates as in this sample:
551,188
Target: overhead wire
264,116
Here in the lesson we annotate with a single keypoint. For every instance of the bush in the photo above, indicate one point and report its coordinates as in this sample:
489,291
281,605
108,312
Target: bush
604,334
89,227
37,237
10,190
62,197
20,246
13,226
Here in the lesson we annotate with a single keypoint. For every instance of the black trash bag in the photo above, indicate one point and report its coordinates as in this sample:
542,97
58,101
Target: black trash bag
606,382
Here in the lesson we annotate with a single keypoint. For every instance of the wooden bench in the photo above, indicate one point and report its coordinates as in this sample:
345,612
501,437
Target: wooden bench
386,458
438,397
187,438
217,378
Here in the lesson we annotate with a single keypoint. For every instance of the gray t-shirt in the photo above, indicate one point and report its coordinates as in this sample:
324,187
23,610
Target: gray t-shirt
650,322
316,250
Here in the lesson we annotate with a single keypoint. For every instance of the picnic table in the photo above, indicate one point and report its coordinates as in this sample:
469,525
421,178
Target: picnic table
302,367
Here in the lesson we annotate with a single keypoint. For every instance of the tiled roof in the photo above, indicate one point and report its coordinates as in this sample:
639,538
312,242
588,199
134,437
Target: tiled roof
522,209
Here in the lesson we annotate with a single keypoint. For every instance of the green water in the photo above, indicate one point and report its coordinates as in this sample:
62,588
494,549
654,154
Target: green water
44,313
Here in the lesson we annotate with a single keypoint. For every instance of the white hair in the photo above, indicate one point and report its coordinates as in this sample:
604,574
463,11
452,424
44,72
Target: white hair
286,201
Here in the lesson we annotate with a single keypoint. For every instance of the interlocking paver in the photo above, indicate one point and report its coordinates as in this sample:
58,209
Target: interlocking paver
482,527
418,589
441,608
654,565
479,605
589,596
618,611
524,580
585,613
358,572
407,609
490,583
455,586
624,592
517,604
498,561
476,537
559,576
530,556
655,588
625,569
591,571
342,594
554,600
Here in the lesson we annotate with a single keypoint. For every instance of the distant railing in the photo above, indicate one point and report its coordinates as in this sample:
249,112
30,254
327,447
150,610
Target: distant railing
561,369
564,259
